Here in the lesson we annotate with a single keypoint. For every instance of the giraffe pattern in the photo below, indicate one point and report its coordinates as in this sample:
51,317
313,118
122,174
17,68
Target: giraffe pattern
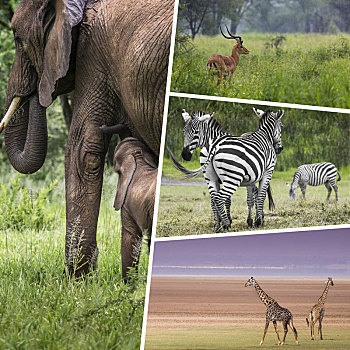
317,311
274,313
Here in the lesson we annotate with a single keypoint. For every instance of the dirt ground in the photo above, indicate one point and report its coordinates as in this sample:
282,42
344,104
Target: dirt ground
187,302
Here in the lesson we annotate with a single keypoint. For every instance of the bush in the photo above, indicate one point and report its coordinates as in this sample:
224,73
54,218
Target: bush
22,208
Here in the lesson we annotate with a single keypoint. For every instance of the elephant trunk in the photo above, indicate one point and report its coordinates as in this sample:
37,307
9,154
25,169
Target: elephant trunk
26,135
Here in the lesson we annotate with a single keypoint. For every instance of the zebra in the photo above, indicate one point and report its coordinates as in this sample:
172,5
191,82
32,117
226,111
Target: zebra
315,175
212,131
233,160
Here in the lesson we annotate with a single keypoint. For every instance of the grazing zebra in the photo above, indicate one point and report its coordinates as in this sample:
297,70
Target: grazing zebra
315,175
233,161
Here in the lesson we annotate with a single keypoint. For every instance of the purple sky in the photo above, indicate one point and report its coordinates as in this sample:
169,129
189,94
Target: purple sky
323,252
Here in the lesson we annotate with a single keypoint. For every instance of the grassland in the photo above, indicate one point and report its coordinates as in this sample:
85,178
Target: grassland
192,205
241,338
41,308
311,69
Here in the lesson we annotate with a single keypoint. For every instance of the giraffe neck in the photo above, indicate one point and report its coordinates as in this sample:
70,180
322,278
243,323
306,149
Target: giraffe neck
263,296
322,298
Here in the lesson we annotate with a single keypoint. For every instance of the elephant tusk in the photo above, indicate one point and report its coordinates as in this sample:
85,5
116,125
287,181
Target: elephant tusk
10,112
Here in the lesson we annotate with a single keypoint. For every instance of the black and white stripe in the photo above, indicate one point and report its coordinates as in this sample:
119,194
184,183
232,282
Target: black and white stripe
315,175
233,161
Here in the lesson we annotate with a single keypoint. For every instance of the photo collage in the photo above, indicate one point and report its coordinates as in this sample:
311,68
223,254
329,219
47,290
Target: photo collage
186,174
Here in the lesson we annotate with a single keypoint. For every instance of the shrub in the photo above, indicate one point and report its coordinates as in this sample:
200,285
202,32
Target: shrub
22,208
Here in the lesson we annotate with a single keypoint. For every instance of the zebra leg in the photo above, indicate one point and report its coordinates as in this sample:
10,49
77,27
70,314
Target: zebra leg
264,183
329,189
213,187
228,208
335,188
303,189
251,198
219,201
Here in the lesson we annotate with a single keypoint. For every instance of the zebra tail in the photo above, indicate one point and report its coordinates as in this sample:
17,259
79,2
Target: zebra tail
179,166
339,177
271,202
307,322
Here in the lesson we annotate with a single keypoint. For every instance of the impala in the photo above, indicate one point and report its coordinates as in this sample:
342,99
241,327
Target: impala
223,65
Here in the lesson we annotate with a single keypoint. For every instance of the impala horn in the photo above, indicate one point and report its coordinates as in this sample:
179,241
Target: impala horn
237,38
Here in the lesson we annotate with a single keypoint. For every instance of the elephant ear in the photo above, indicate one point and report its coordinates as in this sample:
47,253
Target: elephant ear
148,158
68,13
126,172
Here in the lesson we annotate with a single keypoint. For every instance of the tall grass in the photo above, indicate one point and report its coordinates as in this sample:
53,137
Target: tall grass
308,69
42,308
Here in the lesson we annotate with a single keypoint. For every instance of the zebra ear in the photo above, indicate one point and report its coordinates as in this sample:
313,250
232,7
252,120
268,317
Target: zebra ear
185,115
280,114
258,112
205,117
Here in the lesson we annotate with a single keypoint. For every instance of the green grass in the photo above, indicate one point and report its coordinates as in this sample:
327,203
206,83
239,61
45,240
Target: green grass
41,308
192,205
241,338
311,69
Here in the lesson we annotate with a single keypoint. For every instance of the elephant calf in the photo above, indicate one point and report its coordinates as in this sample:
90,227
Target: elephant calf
137,168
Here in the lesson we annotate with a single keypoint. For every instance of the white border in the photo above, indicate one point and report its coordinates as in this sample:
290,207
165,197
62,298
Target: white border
250,233
262,103
160,166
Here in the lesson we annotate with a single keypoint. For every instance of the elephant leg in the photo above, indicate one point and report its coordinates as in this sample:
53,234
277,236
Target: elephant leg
131,245
84,163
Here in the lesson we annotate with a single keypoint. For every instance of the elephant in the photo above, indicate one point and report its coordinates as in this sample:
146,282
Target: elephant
114,55
137,169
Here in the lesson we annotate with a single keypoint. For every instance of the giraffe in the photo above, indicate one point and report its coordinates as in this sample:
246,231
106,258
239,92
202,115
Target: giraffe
317,311
274,313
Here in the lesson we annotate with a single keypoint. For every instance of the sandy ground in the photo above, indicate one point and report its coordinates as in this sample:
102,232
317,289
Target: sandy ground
186,302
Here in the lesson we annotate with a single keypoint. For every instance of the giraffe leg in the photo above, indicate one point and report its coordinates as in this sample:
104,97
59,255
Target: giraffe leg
265,330
320,326
276,330
285,328
313,329
294,331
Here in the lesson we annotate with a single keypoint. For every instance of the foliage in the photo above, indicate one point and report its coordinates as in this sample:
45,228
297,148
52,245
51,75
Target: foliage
41,308
192,205
264,16
21,208
312,69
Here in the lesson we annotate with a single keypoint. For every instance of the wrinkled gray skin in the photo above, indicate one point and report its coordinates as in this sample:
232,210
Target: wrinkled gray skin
114,54
137,170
